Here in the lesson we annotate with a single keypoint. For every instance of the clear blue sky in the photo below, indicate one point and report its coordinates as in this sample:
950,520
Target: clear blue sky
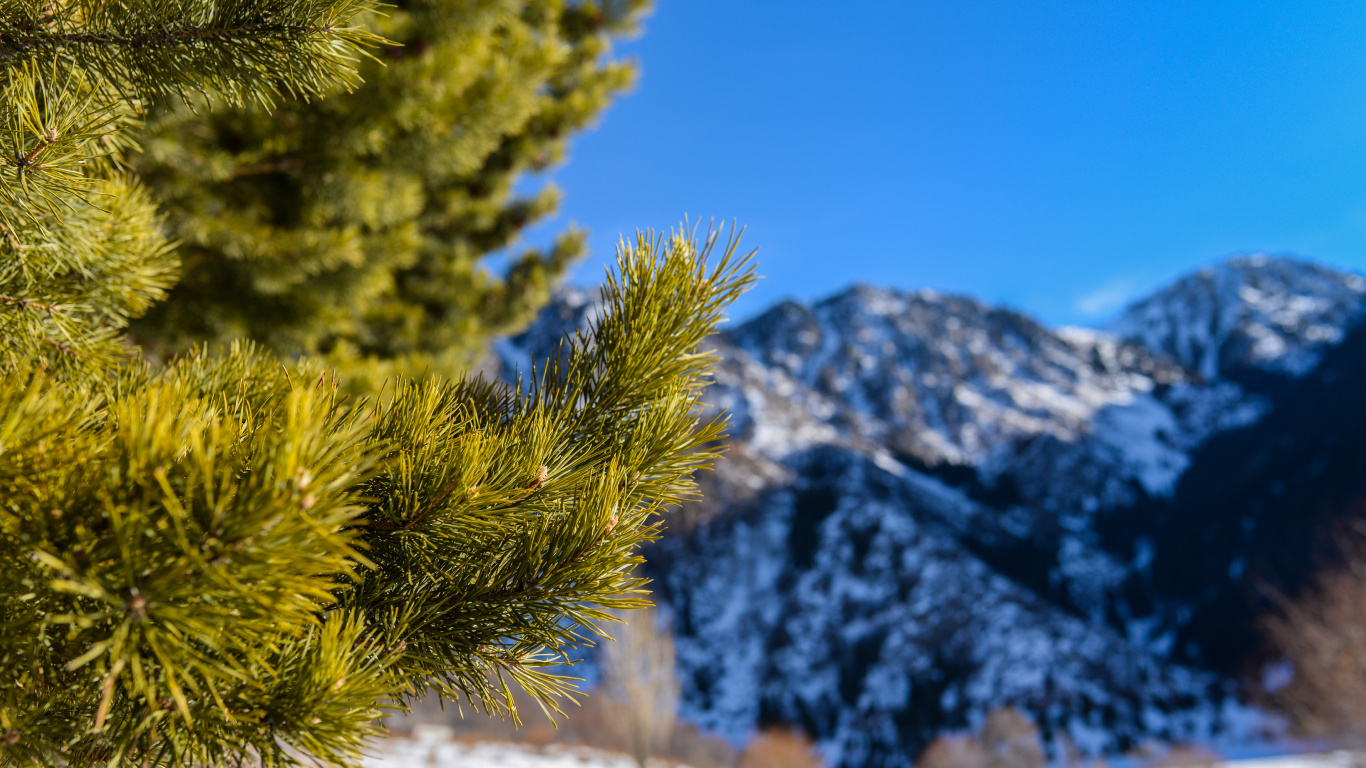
1059,157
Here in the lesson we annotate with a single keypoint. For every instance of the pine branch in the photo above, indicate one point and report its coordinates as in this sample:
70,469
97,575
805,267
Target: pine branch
545,546
239,51
75,74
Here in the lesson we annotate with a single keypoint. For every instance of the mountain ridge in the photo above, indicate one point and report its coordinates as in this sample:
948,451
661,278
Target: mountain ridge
1253,314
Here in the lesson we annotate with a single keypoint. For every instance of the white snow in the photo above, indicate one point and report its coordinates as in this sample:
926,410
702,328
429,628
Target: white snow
432,747
1339,759
1271,314
1141,432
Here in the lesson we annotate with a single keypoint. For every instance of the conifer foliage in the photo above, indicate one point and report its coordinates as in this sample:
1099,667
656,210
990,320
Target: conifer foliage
224,558
355,225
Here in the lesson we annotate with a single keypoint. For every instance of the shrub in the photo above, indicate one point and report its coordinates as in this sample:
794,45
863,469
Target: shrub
780,748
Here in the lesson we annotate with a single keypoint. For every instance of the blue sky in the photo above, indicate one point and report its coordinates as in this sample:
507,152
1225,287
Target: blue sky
1058,157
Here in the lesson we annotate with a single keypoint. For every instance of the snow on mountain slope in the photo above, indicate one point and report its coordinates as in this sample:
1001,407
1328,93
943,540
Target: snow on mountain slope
989,401
844,604
946,378
1250,314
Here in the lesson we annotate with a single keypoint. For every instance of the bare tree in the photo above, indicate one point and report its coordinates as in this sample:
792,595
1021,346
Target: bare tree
1320,680
638,677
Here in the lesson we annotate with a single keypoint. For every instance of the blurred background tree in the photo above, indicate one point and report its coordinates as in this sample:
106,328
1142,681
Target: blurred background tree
1007,739
781,748
358,226
640,681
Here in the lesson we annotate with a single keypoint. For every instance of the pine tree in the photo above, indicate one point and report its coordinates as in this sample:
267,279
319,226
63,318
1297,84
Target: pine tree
355,226
224,558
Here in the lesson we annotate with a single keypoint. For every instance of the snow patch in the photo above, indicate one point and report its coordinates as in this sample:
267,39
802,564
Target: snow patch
432,747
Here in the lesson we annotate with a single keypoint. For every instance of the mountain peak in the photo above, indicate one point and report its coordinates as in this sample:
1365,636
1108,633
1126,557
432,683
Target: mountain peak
1252,318
947,378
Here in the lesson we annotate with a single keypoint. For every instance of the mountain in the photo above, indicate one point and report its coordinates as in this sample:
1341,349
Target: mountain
1249,319
1259,509
931,507
945,379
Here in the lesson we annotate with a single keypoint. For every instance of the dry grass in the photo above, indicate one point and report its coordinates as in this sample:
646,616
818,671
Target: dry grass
1322,634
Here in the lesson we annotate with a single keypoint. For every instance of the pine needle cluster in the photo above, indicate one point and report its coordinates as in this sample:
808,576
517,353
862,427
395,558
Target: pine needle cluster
223,557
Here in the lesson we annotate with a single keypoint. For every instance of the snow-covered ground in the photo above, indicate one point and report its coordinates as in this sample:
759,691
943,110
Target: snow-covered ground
432,747
1340,759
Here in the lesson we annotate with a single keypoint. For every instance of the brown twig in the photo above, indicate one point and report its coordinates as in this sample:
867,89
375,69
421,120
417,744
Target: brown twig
20,301
105,697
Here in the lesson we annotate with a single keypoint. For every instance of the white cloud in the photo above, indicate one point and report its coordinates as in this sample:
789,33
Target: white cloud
1106,299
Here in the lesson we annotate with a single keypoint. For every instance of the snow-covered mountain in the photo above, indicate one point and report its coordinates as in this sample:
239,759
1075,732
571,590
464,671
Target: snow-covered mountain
1249,314
946,379
932,507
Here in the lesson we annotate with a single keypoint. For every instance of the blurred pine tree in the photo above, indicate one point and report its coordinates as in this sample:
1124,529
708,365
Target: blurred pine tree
355,226
224,559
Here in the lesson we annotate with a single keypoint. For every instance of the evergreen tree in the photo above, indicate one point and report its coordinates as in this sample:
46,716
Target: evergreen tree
355,225
224,559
